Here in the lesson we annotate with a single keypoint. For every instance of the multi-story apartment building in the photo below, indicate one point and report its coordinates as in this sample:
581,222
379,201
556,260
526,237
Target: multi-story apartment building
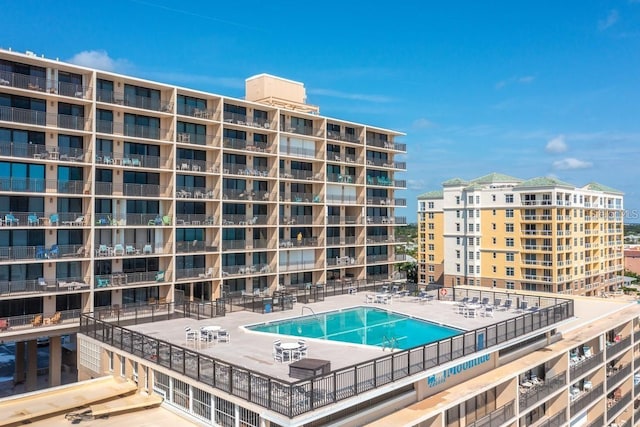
117,191
540,234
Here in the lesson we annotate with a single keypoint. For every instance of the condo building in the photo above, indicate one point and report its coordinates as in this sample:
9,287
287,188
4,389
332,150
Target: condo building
117,192
539,234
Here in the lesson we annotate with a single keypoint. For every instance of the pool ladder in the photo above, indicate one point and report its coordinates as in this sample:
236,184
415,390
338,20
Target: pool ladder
388,343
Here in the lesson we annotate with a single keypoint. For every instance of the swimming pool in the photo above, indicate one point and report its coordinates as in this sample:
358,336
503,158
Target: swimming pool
361,325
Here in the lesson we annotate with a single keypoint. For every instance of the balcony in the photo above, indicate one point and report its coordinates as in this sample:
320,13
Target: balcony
497,417
300,152
614,376
183,247
244,170
13,253
294,242
192,165
297,220
196,138
144,102
72,122
233,270
67,284
142,190
335,220
22,115
233,245
615,405
539,392
297,174
34,185
199,113
124,279
234,143
616,347
300,129
301,265
137,131
586,399
578,369
195,219
42,152
340,198
191,273
131,160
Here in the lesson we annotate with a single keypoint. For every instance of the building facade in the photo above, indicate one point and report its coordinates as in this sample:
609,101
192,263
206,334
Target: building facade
118,191
539,234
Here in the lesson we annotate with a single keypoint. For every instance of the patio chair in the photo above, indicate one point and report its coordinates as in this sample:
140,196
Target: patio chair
54,252
159,277
224,336
56,318
507,305
10,219
207,274
41,253
32,219
136,162
102,282
37,320
475,300
485,301
166,220
54,219
191,335
147,249
103,250
118,250
279,355
130,250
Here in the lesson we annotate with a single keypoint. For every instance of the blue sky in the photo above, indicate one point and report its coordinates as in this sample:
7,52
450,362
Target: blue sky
529,89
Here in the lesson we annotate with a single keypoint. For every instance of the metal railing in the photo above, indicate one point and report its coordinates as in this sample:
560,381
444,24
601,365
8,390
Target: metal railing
292,399
558,420
617,376
617,406
617,347
586,399
497,417
539,392
585,366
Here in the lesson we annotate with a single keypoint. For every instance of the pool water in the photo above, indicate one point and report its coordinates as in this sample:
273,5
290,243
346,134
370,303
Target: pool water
361,325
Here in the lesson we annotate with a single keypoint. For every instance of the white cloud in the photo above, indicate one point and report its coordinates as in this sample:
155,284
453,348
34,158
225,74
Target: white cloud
571,163
422,123
556,145
416,184
609,21
517,80
353,96
99,59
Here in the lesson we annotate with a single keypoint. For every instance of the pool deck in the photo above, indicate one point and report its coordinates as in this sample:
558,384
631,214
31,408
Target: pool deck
253,350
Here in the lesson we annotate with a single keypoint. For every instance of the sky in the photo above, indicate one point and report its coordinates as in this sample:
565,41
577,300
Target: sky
528,89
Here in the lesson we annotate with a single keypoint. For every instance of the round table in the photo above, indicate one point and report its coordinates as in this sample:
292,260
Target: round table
290,346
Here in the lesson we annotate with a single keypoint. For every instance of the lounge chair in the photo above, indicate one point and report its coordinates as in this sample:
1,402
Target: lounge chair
507,305
224,336
79,221
147,249
56,318
102,282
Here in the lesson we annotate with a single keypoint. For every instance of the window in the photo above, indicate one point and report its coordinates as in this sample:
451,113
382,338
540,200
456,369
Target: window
493,225
509,271
457,240
457,226
432,236
430,215
431,205
431,268
493,240
494,268
493,197
510,285
471,255
432,257
458,268
457,200
510,256
458,254
508,198
470,200
432,247
432,226
509,242
509,227
458,213
508,213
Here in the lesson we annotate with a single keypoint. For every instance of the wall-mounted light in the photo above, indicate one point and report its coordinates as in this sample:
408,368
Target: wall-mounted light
51,136
50,199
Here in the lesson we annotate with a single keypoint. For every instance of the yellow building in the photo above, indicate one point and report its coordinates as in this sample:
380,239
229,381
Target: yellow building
117,192
540,234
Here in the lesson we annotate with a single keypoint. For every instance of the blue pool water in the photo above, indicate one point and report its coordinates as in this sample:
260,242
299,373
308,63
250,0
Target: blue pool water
361,325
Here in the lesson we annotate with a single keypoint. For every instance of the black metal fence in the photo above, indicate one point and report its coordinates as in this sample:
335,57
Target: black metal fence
295,398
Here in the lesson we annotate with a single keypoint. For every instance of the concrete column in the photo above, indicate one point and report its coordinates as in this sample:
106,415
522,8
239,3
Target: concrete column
32,365
18,376
55,360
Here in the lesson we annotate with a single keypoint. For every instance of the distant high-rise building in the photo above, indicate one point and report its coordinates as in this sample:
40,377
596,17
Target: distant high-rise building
540,234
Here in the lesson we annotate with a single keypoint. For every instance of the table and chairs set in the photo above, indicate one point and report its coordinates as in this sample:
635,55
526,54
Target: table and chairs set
289,351
210,334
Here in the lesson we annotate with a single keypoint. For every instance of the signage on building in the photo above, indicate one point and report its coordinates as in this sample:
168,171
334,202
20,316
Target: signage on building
441,377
